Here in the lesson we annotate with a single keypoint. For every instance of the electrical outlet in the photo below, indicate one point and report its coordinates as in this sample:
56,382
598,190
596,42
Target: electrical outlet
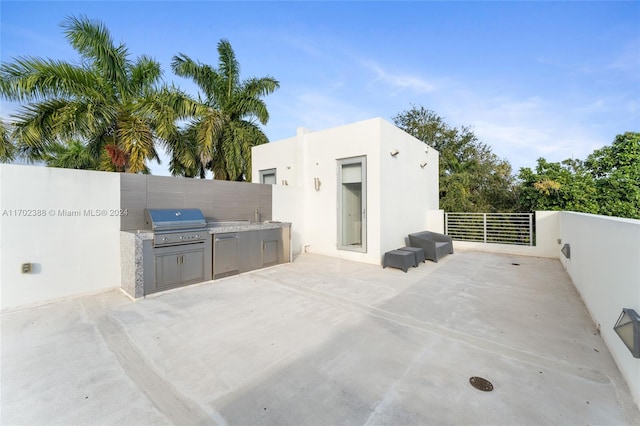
26,268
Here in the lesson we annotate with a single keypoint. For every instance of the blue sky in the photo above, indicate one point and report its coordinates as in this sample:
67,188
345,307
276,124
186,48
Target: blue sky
532,79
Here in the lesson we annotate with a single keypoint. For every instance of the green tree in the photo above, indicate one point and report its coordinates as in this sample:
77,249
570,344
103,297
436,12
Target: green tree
557,186
185,157
112,103
7,149
222,132
616,170
472,177
606,183
72,155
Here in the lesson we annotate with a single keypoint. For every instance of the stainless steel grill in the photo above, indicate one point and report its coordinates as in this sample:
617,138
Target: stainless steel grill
181,248
176,226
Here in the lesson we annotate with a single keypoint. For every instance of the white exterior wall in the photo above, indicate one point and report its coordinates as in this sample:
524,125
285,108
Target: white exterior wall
399,191
71,255
605,268
408,191
287,157
323,148
288,208
282,156
435,221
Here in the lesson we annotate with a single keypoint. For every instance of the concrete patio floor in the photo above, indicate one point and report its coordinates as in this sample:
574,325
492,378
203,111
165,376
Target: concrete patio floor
321,341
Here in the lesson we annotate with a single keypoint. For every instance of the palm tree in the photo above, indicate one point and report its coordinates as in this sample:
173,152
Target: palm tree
185,157
72,155
115,105
224,129
7,150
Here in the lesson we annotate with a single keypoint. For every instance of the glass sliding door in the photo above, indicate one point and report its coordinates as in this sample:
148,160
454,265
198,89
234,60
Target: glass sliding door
352,204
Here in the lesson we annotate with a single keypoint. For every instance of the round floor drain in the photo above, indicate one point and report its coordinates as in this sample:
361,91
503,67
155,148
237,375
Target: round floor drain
481,384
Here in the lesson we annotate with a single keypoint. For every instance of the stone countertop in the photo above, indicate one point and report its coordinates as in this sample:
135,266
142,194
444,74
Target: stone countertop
248,227
145,234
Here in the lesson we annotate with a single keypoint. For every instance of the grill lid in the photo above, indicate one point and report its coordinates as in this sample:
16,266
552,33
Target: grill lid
174,219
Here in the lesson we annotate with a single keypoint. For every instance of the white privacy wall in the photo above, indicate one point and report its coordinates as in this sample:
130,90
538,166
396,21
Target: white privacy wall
605,268
49,217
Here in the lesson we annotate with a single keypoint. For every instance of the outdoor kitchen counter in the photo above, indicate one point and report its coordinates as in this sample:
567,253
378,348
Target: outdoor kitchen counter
143,234
132,261
221,229
134,244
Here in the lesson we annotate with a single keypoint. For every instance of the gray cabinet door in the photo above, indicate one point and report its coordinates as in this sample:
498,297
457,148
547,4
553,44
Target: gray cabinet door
225,255
271,246
167,270
249,251
269,253
192,270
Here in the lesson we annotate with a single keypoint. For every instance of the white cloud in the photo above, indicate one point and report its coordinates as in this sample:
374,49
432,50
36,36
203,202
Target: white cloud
399,80
524,129
522,144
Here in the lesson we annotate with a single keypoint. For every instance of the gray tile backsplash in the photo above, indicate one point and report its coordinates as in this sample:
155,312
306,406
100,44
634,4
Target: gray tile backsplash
218,200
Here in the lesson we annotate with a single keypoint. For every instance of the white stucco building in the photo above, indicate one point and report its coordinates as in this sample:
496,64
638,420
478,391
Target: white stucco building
353,191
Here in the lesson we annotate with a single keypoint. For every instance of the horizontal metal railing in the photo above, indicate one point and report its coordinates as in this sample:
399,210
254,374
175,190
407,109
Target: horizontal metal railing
500,228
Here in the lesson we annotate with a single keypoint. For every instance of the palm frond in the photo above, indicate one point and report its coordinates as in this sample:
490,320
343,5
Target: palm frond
135,138
145,73
93,41
228,67
34,79
259,87
248,107
247,136
36,125
7,148
209,130
184,155
71,155
207,78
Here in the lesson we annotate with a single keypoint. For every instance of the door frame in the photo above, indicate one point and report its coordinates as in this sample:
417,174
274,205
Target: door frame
362,160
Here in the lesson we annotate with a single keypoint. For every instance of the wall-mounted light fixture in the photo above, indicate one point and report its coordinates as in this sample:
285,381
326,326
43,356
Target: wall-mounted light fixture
423,164
566,250
394,152
628,328
317,183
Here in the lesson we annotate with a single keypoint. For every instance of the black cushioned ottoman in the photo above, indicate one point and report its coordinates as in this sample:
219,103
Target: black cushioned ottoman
399,259
419,253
